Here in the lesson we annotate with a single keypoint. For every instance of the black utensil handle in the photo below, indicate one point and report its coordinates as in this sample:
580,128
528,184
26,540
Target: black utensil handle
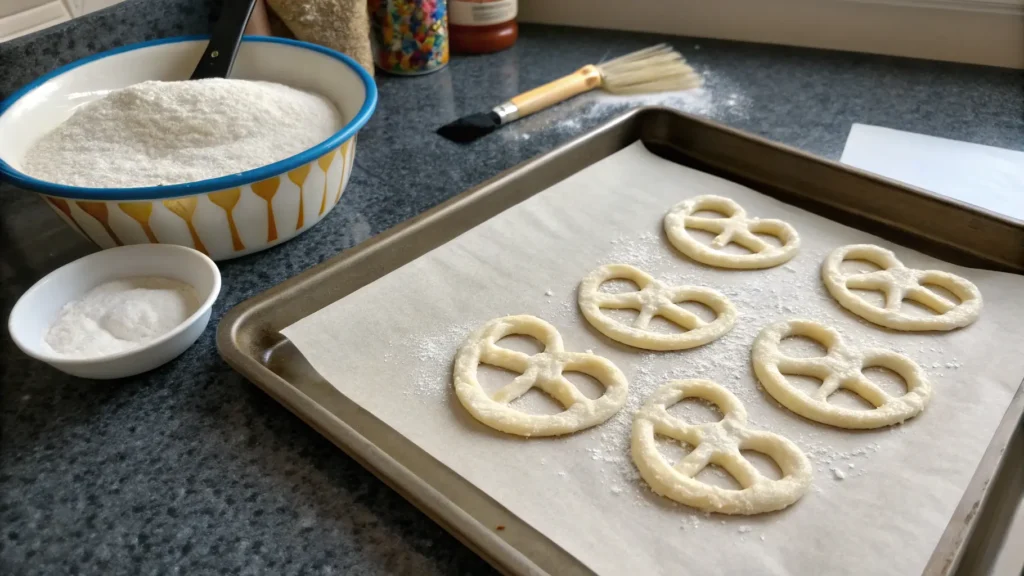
227,34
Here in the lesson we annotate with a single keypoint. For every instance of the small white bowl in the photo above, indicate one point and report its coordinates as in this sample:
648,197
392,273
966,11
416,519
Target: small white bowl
40,306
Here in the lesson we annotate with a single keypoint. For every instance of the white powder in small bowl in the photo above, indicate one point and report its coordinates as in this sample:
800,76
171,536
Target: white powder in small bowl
121,315
161,133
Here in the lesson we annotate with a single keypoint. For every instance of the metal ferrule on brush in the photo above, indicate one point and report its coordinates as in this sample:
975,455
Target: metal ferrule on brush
507,112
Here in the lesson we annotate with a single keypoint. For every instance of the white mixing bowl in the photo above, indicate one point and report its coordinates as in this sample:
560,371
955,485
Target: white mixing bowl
223,217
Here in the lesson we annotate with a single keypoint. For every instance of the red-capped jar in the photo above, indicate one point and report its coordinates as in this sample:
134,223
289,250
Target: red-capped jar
482,26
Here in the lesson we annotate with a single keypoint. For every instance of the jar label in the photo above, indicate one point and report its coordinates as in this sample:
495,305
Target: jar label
481,12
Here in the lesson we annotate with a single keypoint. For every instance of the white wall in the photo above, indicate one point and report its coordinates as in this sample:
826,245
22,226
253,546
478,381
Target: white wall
975,31
19,17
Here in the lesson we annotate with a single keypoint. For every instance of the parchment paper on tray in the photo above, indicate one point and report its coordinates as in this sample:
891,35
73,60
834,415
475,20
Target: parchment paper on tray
880,499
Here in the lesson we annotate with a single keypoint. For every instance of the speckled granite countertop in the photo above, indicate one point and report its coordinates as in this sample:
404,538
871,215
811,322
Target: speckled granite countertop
191,469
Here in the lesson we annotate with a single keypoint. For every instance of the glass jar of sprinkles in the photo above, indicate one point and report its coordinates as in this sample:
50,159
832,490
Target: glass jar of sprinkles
409,37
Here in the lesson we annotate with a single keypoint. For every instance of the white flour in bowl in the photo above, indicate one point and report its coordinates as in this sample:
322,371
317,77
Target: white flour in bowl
121,315
160,133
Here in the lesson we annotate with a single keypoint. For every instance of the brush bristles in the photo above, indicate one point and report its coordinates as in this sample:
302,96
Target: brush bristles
655,69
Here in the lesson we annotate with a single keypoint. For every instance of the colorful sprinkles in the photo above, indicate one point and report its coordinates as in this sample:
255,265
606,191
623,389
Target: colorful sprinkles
409,36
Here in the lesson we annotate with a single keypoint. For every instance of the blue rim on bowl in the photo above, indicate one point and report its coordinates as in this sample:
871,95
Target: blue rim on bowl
210,185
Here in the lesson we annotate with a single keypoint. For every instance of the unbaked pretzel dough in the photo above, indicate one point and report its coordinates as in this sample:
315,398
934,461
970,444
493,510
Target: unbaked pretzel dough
841,367
543,370
715,443
735,227
898,282
653,299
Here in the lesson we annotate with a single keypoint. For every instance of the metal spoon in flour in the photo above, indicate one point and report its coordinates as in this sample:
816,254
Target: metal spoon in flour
219,56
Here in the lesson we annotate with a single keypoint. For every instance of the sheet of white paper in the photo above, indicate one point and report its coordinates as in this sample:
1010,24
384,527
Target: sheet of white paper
880,499
985,176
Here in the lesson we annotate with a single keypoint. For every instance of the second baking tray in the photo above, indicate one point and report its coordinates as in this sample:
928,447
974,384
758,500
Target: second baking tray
249,339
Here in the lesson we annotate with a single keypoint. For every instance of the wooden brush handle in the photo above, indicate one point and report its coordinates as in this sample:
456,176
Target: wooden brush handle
580,81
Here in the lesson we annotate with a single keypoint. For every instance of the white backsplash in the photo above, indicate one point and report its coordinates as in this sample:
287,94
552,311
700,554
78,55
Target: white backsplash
20,17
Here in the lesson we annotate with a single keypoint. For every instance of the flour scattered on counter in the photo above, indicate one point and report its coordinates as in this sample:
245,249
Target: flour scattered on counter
700,101
569,124
718,99
710,101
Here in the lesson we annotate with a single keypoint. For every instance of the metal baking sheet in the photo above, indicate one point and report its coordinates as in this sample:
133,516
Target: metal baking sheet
249,339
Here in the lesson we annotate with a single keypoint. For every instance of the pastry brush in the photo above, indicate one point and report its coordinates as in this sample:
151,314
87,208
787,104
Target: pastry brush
655,69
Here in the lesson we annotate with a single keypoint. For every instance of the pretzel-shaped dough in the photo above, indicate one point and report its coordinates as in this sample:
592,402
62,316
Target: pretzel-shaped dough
653,299
735,227
841,367
543,370
897,282
715,443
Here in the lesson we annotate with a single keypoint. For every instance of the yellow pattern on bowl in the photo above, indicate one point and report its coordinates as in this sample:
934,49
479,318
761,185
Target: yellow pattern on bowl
224,223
